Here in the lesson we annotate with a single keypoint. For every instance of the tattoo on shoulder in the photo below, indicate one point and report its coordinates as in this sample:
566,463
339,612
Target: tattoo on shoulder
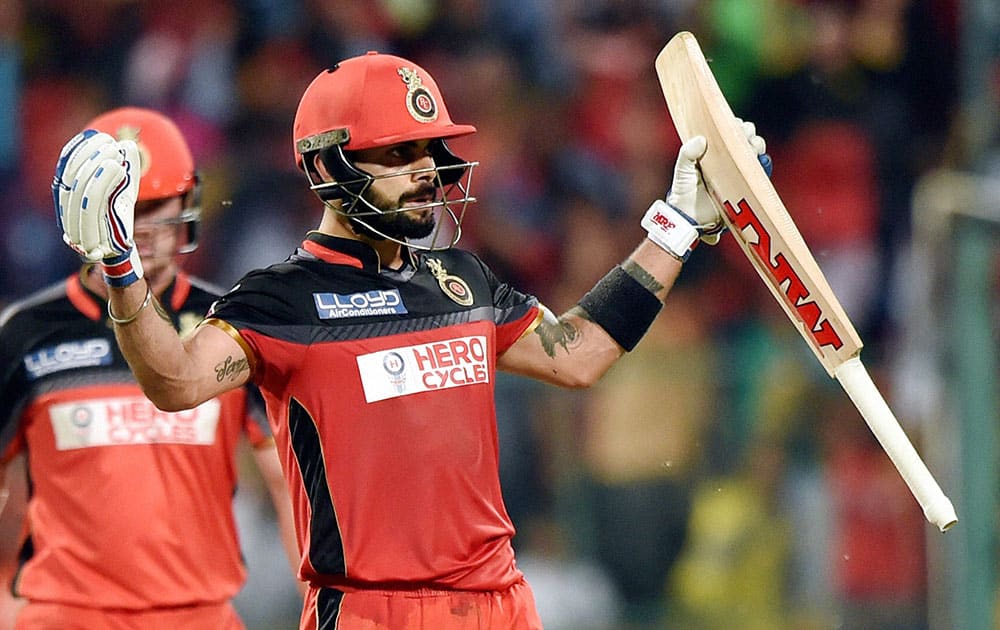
230,368
642,276
561,332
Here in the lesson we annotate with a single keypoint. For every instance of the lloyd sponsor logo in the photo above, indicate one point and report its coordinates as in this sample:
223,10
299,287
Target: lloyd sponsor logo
130,420
424,367
822,331
66,356
365,304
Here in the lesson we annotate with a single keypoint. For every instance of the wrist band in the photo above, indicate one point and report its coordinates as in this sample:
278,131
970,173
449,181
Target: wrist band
135,315
620,305
122,270
669,228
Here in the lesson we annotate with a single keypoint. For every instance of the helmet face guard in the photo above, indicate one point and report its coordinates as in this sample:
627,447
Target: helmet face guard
188,221
452,181
379,100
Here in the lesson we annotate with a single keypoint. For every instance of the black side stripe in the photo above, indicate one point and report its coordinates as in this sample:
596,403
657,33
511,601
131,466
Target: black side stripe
328,602
326,548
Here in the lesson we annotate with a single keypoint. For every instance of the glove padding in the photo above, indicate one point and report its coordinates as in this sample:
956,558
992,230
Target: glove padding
688,194
95,188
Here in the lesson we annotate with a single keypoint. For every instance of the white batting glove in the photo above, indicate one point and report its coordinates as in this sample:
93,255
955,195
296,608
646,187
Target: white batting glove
95,187
688,193
687,214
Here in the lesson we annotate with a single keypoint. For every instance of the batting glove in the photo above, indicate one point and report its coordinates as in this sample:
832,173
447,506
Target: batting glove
95,188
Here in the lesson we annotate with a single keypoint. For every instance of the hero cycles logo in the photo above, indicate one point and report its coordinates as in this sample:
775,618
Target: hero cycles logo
742,217
436,365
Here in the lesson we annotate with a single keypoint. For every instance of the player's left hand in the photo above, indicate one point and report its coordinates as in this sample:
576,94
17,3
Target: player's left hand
95,187
687,192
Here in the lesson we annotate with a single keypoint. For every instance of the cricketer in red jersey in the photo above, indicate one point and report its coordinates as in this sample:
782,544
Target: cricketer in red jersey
129,519
376,345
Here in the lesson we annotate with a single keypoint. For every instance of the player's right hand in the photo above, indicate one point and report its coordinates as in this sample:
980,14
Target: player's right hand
94,189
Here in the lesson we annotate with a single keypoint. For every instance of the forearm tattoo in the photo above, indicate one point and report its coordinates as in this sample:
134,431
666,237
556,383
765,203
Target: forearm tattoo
642,276
562,332
231,368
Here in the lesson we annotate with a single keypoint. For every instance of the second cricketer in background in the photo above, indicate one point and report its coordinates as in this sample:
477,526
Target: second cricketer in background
129,520
375,346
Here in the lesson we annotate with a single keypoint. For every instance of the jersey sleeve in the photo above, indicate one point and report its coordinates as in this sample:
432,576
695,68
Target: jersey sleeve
249,308
515,313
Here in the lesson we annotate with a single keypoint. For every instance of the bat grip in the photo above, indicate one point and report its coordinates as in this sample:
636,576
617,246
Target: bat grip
858,384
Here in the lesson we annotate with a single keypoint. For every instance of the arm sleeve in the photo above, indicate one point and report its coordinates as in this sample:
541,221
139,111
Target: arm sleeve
515,312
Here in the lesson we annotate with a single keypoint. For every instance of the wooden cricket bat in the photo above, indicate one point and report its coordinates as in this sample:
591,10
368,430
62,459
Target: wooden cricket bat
762,226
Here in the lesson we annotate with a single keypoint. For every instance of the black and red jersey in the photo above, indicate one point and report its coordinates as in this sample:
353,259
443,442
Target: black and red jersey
379,387
129,507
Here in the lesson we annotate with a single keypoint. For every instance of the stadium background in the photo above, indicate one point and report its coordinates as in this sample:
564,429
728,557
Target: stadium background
717,478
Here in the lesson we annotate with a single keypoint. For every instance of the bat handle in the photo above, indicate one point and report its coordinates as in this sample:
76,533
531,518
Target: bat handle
858,384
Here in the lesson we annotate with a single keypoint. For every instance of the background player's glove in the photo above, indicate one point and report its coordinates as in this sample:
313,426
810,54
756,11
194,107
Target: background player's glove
95,187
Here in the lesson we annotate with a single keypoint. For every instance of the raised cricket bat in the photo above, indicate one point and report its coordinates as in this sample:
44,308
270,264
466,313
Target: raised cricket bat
760,223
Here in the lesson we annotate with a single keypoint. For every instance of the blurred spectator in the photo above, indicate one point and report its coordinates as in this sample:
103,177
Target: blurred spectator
881,68
877,548
733,572
644,439
828,181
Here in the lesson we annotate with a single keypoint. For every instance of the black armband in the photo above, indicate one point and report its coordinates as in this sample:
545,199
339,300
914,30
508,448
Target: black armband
622,307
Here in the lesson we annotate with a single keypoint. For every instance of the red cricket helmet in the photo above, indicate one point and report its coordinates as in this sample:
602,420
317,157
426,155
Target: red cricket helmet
166,165
369,101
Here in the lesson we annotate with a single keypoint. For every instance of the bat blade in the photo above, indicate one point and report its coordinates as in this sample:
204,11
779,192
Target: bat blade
752,208
766,233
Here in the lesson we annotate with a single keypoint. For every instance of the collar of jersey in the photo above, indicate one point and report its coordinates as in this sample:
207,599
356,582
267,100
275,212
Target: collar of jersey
94,306
341,251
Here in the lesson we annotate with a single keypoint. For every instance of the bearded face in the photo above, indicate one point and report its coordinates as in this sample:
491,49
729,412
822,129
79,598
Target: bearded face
397,224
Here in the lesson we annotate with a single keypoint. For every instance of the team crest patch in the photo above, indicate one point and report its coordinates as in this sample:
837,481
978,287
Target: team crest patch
452,286
419,100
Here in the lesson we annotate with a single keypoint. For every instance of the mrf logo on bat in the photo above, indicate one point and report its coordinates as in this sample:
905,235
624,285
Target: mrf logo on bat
742,217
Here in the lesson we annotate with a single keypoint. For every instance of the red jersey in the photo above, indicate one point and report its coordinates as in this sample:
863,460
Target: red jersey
129,507
379,387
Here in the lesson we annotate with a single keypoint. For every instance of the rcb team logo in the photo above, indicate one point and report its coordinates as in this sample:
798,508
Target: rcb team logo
452,286
419,101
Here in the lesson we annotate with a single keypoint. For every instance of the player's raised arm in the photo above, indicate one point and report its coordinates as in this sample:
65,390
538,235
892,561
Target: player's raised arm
95,189
578,347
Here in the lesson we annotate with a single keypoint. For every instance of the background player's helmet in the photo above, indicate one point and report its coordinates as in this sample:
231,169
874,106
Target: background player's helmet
165,162
377,100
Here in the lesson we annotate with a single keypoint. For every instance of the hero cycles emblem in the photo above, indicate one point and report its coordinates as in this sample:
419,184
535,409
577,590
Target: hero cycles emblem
452,286
742,216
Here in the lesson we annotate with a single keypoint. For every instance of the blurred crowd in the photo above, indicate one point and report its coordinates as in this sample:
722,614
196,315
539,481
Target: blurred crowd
718,478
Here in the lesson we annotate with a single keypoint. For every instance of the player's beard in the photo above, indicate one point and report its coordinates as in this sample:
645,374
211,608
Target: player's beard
397,224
